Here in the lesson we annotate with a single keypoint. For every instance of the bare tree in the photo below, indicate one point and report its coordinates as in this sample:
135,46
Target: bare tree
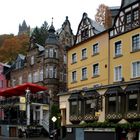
103,16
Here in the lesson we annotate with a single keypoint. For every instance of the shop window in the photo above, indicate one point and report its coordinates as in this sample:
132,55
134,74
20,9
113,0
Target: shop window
132,102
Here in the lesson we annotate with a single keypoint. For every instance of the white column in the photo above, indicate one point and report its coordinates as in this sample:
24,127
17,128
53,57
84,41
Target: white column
41,115
28,114
28,106
34,113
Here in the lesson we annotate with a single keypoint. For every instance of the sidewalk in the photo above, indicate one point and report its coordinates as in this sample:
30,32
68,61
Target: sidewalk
16,138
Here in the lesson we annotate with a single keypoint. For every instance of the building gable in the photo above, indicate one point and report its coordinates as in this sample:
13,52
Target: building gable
127,19
87,28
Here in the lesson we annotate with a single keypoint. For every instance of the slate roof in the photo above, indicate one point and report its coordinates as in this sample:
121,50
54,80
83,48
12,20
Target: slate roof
127,2
21,56
96,26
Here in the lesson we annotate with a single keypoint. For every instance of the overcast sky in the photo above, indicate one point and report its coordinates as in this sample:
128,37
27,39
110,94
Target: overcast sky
35,12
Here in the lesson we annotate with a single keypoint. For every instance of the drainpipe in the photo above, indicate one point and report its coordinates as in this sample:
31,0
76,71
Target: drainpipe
108,58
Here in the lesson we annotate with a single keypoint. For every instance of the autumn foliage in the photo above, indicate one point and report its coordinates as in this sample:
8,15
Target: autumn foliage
11,45
103,16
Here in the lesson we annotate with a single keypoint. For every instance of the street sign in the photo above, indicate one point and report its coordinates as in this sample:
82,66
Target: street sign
54,119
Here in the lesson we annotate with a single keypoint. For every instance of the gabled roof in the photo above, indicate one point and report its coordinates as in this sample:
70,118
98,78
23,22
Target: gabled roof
86,23
21,56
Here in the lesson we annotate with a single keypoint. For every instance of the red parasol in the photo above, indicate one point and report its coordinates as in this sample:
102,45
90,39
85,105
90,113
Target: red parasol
21,89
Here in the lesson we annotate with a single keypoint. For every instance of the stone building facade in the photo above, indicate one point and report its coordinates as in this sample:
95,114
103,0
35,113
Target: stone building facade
45,65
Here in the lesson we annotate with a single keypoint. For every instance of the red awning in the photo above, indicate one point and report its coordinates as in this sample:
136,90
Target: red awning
20,89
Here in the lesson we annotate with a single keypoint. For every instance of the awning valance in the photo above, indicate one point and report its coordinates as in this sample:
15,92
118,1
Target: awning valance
114,90
91,94
76,96
20,89
133,87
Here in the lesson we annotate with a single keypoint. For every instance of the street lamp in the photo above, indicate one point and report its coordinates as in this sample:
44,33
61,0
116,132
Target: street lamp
27,106
54,120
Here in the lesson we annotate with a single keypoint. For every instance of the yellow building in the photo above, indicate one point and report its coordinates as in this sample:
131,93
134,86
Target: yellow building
104,78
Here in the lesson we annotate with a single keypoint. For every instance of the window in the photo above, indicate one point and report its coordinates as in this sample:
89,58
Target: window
84,73
136,69
74,58
112,104
32,60
90,106
74,76
136,15
84,53
132,102
51,72
54,72
84,34
51,52
35,77
18,64
136,42
65,77
1,69
73,107
20,80
13,82
41,75
46,53
55,53
118,73
95,70
95,49
128,18
29,77
1,83
118,48
65,59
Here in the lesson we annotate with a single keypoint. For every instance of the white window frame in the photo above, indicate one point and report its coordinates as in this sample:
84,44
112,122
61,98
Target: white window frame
75,76
51,52
118,78
20,80
137,69
120,52
41,75
46,53
83,77
95,51
84,55
138,48
93,73
35,77
29,77
74,58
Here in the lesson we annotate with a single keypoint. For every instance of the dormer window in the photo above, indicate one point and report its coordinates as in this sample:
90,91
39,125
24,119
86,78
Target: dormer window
18,64
135,15
84,34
